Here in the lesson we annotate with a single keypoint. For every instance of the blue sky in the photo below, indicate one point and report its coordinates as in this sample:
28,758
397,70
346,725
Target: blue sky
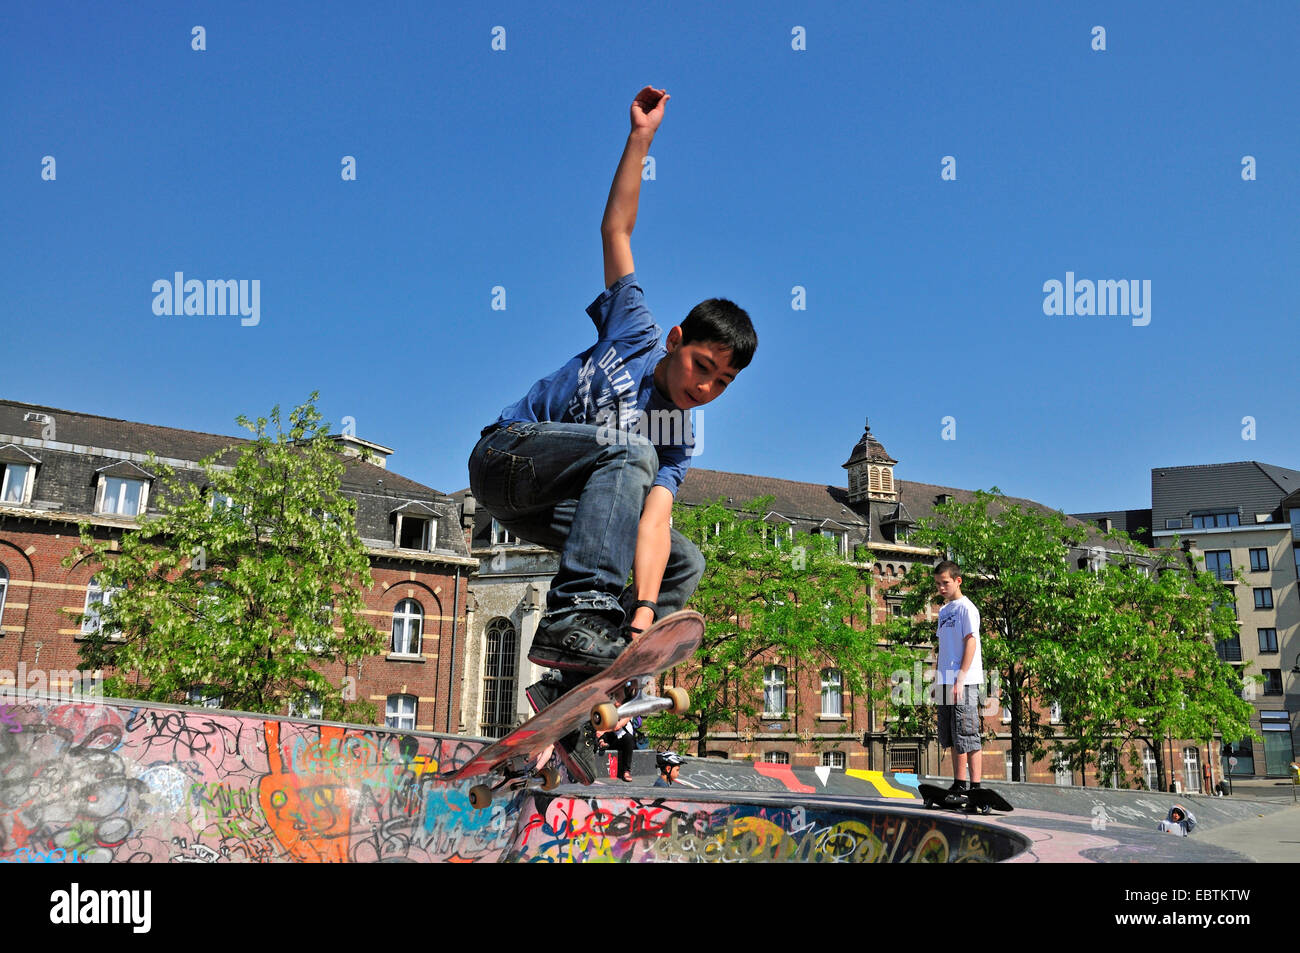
775,168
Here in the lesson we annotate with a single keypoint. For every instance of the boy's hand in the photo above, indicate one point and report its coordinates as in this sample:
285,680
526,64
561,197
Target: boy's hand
648,109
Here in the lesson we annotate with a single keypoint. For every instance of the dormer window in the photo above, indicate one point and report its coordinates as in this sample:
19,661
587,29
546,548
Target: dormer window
17,475
502,536
122,490
778,529
415,526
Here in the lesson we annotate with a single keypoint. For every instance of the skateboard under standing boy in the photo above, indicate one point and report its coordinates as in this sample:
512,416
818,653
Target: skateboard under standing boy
589,460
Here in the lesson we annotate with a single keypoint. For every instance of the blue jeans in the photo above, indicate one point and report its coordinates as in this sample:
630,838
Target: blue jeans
558,486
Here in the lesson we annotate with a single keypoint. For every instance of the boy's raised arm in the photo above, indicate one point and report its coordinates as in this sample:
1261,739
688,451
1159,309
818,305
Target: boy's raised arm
620,211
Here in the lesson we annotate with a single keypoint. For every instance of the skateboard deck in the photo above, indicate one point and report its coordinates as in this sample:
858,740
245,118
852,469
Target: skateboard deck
516,758
983,800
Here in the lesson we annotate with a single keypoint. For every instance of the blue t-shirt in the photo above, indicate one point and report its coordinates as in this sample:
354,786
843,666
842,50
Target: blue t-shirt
611,384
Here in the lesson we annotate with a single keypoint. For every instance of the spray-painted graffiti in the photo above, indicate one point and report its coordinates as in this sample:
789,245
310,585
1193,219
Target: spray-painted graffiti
129,782
565,829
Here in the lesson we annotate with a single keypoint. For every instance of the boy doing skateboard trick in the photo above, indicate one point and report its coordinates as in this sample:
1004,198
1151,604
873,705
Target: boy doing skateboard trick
589,460
961,671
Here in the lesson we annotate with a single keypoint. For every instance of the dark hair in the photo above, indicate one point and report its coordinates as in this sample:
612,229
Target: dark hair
948,566
723,322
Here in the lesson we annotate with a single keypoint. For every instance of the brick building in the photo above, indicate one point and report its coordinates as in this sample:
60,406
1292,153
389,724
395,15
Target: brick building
59,467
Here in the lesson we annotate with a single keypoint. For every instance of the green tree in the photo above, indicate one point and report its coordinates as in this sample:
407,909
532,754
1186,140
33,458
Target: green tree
1013,568
767,597
1151,671
247,582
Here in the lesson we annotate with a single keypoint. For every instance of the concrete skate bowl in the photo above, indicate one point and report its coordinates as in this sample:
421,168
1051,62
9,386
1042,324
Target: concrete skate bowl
714,827
131,782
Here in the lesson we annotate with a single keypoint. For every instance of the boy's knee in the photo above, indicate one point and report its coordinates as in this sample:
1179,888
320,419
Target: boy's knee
639,453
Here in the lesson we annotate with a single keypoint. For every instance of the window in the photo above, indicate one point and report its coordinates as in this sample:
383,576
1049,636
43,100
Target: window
96,599
1192,770
1263,598
1268,640
1054,714
4,591
1107,765
408,622
14,482
306,705
774,691
400,713
220,502
1259,560
905,760
834,759
1272,681
415,533
838,539
832,693
317,643
1229,649
500,655
121,497
782,534
1061,768
203,697
1214,520
1006,715
776,757
1219,563
502,536
1149,775
1008,765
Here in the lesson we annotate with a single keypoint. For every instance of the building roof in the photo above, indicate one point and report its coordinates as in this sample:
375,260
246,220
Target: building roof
1248,487
111,436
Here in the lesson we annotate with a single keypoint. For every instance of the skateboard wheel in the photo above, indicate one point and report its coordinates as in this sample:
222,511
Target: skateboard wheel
604,717
680,699
480,796
550,777
985,809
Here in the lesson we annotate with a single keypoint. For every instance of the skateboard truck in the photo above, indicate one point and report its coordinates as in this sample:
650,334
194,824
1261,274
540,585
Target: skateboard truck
642,702
514,773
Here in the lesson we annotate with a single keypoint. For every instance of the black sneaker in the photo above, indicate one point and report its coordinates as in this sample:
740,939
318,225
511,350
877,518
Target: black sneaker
584,642
578,751
552,685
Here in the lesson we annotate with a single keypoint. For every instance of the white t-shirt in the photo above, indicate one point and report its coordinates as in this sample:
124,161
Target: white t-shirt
956,619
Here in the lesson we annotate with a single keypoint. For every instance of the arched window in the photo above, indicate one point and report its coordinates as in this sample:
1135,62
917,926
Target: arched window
408,625
500,661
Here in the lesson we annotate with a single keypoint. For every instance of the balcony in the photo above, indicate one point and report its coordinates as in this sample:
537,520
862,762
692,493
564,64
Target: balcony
1229,650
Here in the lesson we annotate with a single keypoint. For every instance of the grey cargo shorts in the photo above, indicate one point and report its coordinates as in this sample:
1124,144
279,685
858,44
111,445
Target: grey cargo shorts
959,725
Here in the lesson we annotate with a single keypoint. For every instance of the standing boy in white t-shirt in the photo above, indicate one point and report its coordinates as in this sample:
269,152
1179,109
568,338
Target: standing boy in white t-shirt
961,672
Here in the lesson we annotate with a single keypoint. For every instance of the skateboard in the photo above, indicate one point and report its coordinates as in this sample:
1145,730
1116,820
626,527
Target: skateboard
623,690
983,800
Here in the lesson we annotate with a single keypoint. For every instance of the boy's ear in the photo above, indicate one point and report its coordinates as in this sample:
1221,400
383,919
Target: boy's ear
674,337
